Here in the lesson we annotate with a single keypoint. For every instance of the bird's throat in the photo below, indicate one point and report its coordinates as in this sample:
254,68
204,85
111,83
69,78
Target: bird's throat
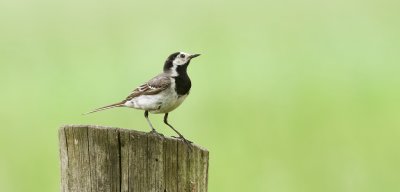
182,80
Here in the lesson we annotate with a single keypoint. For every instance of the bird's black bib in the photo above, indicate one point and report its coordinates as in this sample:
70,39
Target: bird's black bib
182,81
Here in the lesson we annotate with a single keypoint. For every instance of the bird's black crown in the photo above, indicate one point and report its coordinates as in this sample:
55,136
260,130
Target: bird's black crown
169,62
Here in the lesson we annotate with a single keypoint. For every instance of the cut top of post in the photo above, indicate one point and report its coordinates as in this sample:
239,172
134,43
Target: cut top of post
96,158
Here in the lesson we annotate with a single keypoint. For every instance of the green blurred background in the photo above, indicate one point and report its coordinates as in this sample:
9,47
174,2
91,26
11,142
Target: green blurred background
289,96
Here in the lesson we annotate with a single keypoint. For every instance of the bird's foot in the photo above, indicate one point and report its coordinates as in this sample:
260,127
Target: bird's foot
187,142
153,131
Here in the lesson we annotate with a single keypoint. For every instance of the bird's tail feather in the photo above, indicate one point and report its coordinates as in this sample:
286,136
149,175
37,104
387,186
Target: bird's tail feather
119,104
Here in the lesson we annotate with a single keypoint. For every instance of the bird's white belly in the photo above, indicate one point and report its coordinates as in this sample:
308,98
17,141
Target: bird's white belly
163,102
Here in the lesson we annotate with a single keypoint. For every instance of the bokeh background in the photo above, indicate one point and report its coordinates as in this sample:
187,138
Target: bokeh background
289,96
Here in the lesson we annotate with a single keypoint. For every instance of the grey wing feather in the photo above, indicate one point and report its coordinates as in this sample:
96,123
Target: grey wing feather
153,86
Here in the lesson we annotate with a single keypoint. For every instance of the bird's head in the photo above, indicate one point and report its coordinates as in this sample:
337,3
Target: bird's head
178,59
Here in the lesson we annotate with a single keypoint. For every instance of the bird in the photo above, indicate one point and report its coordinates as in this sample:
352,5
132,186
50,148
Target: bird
163,93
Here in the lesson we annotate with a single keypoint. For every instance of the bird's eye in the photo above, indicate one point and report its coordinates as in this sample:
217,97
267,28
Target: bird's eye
182,56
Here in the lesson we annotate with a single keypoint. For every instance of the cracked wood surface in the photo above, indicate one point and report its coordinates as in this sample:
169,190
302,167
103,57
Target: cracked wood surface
97,159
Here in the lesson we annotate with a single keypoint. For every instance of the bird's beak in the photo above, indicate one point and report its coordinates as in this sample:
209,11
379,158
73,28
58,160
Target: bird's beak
194,55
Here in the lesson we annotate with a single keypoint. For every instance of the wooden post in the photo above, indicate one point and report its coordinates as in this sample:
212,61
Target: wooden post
104,159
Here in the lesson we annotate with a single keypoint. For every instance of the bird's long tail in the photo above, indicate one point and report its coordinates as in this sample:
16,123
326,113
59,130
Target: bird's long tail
119,104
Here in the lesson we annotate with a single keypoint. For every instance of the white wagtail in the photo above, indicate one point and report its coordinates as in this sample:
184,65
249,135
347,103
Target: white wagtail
163,93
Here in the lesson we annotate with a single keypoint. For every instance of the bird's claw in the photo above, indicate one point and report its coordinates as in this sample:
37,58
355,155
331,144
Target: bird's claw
187,142
182,138
153,131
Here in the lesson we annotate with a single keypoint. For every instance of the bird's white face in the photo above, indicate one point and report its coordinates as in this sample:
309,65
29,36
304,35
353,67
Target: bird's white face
182,58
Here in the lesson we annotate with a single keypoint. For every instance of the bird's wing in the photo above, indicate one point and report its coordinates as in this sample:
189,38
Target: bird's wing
154,86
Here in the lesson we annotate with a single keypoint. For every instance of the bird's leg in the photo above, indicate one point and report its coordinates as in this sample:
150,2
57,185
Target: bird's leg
146,115
177,132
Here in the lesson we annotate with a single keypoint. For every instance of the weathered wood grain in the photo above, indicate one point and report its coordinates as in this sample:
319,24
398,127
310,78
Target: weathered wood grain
97,159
